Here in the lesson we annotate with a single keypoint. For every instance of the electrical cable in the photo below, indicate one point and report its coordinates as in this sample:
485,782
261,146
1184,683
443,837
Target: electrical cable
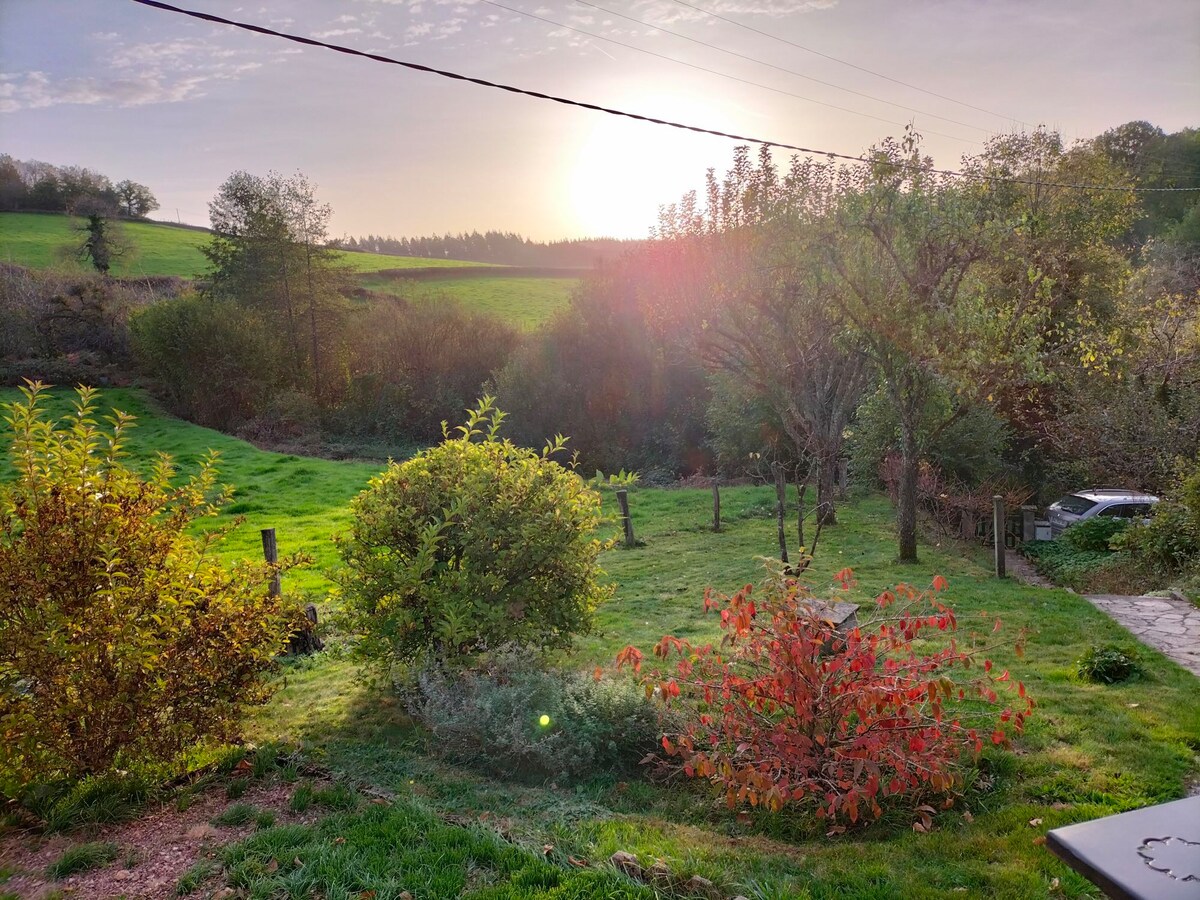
843,62
663,56
761,62
781,145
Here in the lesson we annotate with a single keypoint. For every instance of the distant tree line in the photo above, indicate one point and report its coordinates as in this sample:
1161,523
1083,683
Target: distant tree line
501,248
39,186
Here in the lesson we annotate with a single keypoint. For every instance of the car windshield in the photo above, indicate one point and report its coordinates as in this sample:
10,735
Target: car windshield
1075,504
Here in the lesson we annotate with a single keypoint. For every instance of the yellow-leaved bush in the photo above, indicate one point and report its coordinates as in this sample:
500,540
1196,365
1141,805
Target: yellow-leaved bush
123,641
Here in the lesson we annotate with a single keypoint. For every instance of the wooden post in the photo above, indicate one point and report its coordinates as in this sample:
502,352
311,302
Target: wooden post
716,506
781,509
1028,527
998,520
271,553
623,502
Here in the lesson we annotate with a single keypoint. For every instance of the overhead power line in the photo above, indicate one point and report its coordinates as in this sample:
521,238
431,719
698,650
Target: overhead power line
566,101
700,68
775,37
762,62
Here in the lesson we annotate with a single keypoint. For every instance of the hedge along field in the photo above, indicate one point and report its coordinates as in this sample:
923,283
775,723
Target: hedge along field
523,302
47,241
1089,750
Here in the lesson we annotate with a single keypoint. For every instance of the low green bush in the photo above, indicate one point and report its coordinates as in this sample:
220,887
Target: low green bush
1170,542
1063,564
511,717
1107,665
468,546
1095,535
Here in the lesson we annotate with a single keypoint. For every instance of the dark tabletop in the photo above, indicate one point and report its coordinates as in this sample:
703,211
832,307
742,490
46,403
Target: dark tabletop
1151,853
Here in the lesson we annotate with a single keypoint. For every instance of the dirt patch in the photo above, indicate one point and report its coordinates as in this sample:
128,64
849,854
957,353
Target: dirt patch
154,849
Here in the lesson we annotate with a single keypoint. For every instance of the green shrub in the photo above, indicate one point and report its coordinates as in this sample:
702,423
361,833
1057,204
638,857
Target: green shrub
472,544
1106,665
81,858
1170,542
123,641
511,717
232,345
1095,535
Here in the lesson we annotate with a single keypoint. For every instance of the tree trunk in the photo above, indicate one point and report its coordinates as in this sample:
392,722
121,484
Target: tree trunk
826,488
906,512
781,509
801,490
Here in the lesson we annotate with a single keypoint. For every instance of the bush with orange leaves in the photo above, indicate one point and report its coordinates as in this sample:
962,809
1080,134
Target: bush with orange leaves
787,710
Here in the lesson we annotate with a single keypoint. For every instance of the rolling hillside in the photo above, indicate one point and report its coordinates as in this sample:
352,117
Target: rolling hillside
523,302
46,240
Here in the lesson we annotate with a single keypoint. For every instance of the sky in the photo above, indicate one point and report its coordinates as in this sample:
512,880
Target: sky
178,104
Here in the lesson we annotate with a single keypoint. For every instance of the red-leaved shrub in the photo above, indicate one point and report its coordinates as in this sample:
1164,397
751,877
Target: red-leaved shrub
788,710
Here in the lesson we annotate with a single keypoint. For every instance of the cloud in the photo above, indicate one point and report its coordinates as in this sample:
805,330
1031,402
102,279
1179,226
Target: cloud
663,12
336,32
135,74
37,90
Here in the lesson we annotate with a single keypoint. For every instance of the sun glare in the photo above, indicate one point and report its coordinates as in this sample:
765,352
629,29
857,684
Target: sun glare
624,170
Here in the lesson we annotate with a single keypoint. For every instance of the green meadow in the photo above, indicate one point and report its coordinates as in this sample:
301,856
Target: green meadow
48,241
523,302
1089,750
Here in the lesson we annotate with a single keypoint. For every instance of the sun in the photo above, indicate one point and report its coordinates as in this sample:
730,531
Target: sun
624,170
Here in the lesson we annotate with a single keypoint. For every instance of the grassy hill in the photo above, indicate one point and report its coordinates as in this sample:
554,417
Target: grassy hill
524,302
305,500
44,241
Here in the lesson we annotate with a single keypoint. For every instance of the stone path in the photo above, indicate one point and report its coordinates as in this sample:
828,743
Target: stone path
1168,625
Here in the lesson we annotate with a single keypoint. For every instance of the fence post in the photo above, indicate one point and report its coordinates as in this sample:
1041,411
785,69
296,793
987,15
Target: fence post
781,509
716,506
998,526
1028,527
271,554
623,502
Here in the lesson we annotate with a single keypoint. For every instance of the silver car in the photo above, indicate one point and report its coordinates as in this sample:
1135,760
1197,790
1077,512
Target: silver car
1119,503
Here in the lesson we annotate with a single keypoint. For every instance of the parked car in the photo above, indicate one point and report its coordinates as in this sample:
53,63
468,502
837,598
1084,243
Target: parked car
1120,503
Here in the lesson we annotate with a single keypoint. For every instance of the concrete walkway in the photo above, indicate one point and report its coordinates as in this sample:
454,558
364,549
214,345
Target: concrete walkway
1168,625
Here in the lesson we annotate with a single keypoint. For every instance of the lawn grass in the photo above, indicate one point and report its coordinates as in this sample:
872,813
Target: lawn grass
388,849
523,302
1088,751
47,241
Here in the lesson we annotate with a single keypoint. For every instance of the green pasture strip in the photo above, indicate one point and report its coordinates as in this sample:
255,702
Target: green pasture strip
49,241
523,302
